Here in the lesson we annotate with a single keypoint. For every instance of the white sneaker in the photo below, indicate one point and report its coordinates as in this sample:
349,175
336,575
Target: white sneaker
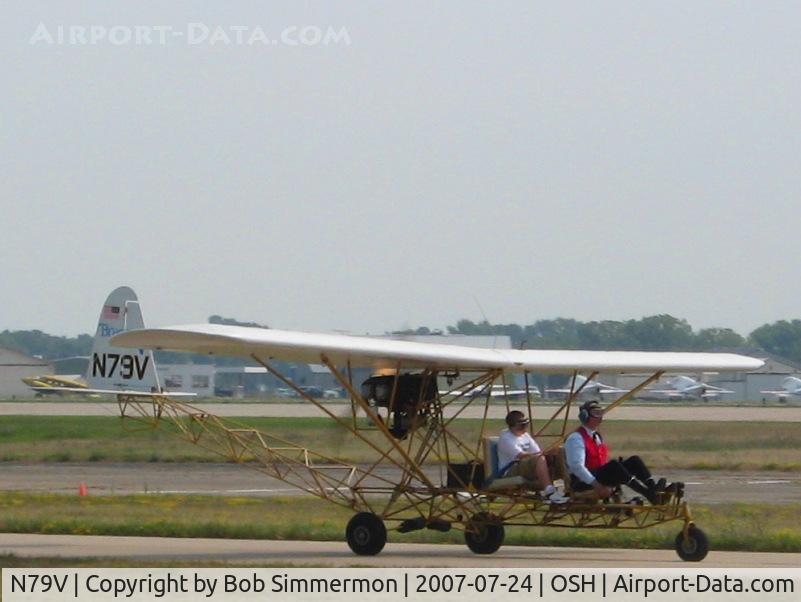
557,498
553,496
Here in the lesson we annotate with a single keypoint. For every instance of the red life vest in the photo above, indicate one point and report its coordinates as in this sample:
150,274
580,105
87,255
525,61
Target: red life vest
596,454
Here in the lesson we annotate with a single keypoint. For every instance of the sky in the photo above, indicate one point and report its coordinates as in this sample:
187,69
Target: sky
369,166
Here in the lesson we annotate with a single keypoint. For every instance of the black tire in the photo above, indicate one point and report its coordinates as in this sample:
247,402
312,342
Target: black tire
366,534
695,547
483,536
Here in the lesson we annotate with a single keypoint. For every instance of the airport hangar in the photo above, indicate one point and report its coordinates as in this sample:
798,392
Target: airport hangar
14,366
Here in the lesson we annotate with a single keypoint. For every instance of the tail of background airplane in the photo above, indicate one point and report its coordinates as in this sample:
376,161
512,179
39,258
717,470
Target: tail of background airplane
117,368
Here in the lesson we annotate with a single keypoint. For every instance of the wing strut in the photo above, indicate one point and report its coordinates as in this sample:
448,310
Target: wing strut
654,377
337,419
412,465
565,407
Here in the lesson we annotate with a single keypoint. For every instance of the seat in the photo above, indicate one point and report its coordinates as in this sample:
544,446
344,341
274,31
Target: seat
494,480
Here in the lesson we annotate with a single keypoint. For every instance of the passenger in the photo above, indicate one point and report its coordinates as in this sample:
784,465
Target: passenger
519,455
590,468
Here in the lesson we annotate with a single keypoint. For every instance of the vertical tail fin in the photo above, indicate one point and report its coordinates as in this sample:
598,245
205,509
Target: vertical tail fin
117,367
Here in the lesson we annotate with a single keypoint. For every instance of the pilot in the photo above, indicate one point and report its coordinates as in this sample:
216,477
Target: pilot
590,467
519,455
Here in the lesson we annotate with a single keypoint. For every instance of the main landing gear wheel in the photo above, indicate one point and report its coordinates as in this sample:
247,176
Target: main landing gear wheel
366,534
695,547
483,536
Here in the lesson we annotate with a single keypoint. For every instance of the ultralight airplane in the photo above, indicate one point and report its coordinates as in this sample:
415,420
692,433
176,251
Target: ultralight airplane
424,474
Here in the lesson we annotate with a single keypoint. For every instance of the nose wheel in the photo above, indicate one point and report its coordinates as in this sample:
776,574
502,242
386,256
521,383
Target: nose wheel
694,547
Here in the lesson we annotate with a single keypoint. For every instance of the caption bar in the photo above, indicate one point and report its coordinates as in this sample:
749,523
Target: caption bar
297,585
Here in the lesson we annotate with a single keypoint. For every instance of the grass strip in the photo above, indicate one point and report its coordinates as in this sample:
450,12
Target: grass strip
752,527
703,445
12,561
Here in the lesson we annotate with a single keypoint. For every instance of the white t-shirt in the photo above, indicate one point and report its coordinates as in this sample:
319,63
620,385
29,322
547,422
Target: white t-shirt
511,445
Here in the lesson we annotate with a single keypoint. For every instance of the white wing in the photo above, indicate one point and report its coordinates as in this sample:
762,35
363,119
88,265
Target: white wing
596,389
607,390
714,389
134,392
482,392
782,393
514,393
384,353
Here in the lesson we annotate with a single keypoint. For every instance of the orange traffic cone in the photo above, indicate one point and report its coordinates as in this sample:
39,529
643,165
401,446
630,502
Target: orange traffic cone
83,491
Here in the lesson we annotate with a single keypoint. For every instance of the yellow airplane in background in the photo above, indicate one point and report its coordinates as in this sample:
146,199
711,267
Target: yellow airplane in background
53,384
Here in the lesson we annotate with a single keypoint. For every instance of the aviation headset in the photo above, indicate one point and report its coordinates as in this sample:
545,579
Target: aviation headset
585,411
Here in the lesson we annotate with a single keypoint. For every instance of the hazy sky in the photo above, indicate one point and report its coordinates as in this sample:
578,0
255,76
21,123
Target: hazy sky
594,161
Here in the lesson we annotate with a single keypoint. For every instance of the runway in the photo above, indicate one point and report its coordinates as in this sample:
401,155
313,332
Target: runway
229,479
693,413
118,478
240,552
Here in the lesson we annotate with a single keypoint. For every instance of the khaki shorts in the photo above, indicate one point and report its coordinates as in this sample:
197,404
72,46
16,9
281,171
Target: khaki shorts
525,468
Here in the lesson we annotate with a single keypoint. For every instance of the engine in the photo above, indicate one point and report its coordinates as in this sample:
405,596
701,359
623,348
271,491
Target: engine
413,394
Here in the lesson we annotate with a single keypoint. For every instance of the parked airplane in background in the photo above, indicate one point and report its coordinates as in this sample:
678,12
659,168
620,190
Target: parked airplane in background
53,384
494,391
791,387
592,389
684,387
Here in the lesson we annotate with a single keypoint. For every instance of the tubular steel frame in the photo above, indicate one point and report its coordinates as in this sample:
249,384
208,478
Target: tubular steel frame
420,496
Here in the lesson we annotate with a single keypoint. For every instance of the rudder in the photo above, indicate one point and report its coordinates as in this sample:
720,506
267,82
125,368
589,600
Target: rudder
117,367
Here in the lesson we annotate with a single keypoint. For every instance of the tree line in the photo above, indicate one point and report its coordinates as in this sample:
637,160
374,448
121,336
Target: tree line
651,333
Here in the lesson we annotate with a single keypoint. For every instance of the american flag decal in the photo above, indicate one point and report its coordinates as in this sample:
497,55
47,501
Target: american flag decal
111,312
